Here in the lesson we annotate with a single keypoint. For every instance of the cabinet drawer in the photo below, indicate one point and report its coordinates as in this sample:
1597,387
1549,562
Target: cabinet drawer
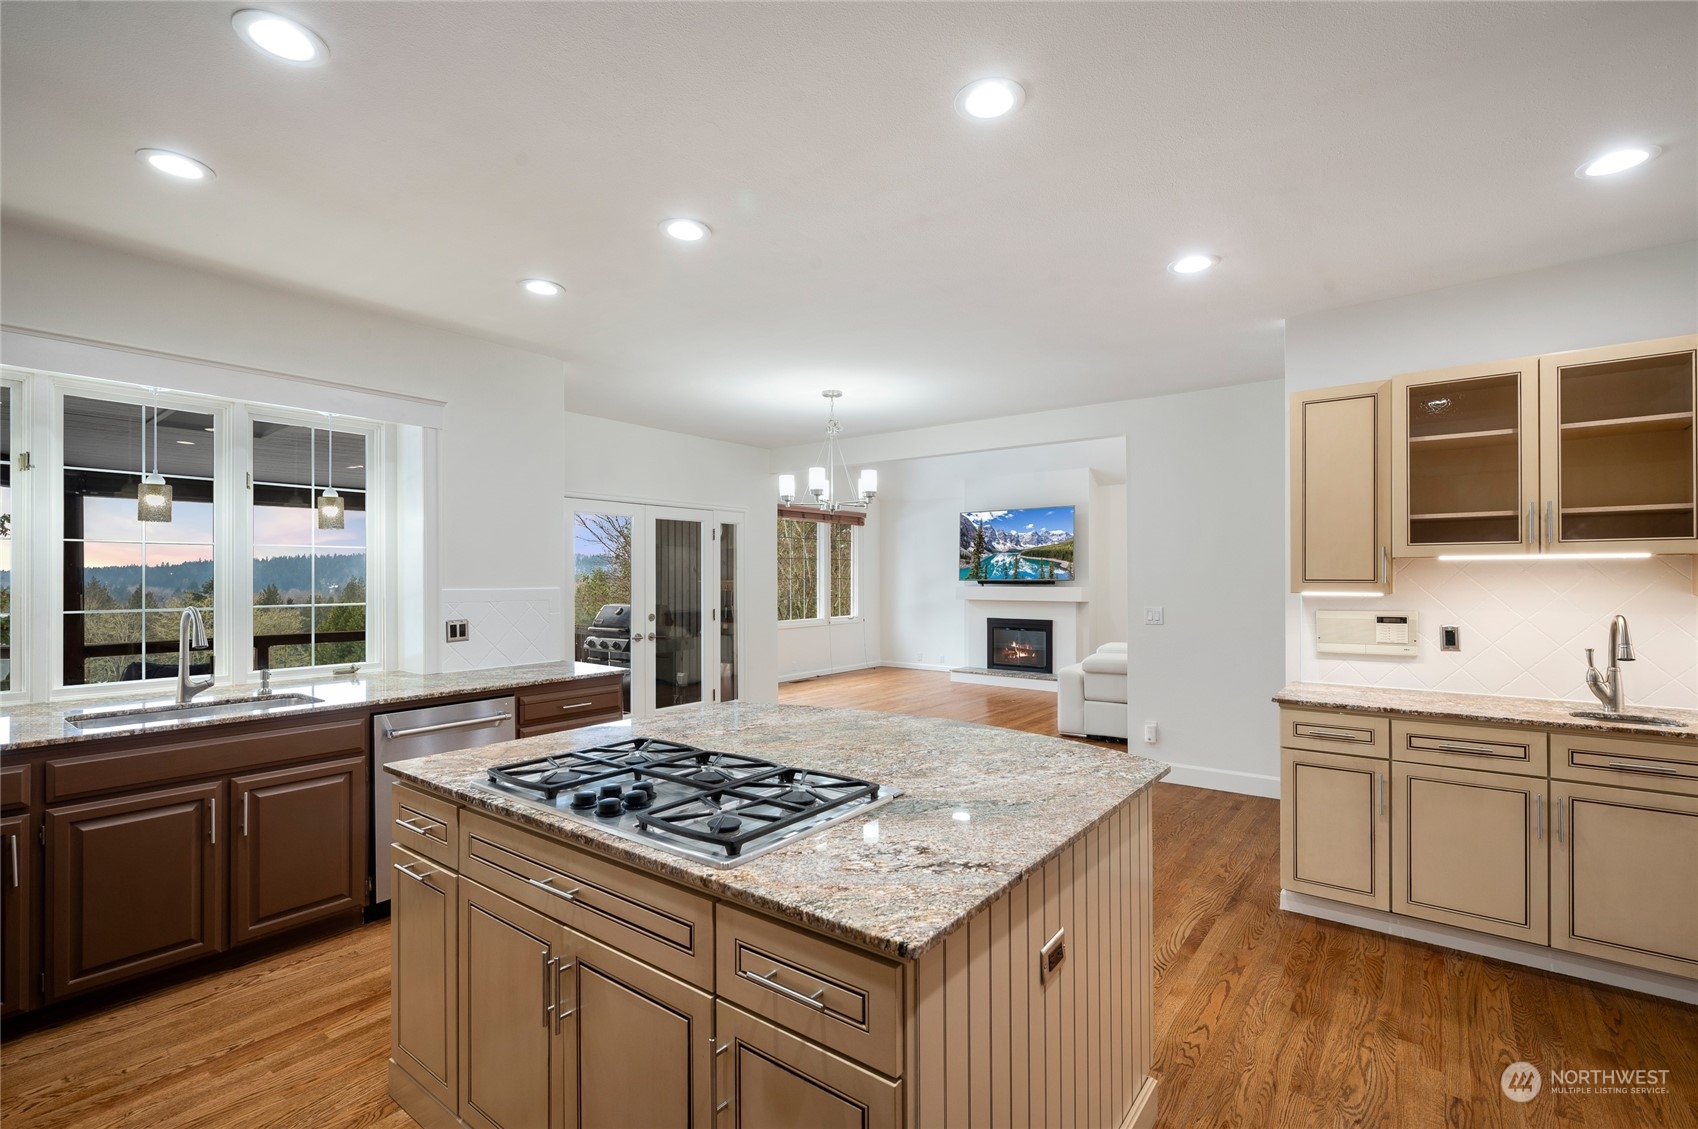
1331,731
841,997
426,824
14,787
569,708
770,1077
651,919
1666,766
1495,748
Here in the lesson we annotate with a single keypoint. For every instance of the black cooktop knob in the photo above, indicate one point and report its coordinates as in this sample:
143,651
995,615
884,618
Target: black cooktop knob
608,790
583,799
637,798
607,805
644,786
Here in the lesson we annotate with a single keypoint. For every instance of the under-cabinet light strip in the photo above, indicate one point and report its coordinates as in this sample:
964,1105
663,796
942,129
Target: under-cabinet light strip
1544,556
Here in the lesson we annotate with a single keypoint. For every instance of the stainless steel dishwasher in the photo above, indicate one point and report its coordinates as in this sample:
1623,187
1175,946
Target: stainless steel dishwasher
421,733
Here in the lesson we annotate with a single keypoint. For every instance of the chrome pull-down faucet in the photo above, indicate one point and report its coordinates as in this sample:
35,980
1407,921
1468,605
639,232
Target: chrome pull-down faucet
191,636
1607,687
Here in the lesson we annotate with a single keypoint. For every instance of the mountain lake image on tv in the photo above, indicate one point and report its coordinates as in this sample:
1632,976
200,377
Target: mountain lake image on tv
1017,546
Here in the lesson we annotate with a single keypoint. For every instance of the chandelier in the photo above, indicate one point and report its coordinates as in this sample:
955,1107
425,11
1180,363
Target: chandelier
822,480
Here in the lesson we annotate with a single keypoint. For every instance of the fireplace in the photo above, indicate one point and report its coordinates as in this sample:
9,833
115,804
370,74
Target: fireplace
1019,644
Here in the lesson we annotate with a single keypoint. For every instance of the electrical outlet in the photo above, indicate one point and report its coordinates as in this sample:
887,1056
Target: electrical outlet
1149,733
1154,616
459,630
1450,637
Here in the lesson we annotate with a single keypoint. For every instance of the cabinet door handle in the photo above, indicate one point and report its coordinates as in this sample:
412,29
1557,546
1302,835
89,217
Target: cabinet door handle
245,796
1663,768
561,1011
1532,525
14,845
1559,819
1539,816
1550,520
548,989
1382,779
1385,562
770,980
543,884
212,822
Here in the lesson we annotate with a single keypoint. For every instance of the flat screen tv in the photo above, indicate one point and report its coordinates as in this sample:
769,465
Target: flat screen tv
1032,546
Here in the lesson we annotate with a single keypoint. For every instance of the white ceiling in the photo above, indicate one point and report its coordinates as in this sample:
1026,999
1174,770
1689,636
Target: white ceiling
866,236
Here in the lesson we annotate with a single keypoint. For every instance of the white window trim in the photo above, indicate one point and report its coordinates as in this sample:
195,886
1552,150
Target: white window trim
822,616
38,500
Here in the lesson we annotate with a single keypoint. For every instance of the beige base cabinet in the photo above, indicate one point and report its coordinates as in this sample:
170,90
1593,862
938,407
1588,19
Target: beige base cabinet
510,1014
1625,876
1335,826
1471,849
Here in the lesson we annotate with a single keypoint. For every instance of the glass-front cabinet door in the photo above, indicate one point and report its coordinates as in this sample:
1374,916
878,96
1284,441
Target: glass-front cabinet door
1468,459
1620,464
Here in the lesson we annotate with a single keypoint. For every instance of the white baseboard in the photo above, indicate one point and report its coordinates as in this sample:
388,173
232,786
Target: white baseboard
802,675
1215,779
917,666
1499,948
1042,685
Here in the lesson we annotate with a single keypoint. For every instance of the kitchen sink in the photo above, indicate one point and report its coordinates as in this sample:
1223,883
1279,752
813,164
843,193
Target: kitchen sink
102,719
1629,718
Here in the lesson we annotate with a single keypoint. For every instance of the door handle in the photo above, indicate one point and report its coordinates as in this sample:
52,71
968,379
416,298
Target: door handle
1532,525
410,873
1539,816
245,796
463,723
770,980
14,846
561,1011
1385,562
650,637
1663,768
543,884
1382,779
1559,819
577,705
212,821
1550,520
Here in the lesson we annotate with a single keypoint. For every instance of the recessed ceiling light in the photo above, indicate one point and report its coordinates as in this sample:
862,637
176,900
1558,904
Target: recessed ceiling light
989,98
175,164
541,286
690,231
1192,264
280,37
1620,160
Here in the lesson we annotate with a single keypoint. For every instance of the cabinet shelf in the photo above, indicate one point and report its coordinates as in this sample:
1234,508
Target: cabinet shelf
1464,515
1461,440
1655,508
1628,425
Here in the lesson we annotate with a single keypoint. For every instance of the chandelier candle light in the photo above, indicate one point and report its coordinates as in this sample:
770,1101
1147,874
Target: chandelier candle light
153,495
821,479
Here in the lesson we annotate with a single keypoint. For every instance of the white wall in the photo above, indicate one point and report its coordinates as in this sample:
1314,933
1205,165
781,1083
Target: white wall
499,457
616,461
1205,523
1525,625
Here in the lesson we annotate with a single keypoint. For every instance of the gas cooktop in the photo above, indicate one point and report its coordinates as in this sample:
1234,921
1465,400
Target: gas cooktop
718,808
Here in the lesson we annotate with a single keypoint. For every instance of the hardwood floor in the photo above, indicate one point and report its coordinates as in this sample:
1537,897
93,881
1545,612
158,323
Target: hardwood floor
1263,1018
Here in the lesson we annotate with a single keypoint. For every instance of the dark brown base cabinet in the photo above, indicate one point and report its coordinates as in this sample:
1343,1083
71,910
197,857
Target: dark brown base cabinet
297,846
18,896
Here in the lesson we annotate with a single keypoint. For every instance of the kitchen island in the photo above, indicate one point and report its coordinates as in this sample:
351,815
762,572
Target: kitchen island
974,951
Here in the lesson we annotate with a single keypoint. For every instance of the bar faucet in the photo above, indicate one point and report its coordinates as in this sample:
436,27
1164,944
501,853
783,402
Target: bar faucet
191,636
1607,687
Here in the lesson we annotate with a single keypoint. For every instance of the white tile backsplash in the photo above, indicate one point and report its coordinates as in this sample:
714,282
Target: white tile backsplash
508,627
1526,627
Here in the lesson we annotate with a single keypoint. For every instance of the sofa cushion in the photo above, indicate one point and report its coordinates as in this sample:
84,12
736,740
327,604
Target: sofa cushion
1112,649
1105,687
1105,663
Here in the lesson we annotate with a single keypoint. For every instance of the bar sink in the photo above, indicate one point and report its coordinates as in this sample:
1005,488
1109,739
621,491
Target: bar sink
1629,718
132,716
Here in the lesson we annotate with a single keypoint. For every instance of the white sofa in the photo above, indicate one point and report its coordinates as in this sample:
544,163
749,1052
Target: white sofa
1091,698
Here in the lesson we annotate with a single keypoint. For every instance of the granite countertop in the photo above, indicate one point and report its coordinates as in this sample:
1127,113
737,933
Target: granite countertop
34,725
1539,713
980,807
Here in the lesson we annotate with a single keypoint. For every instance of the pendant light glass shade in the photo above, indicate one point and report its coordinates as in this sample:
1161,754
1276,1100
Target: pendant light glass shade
787,488
153,499
153,495
330,509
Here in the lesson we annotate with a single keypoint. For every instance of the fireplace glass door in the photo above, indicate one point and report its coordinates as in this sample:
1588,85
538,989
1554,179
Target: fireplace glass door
1019,645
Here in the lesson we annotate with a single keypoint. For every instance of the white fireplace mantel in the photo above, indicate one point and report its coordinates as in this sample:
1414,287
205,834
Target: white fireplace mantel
1023,593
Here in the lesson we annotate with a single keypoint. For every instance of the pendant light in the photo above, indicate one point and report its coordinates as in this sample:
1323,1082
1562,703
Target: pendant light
331,509
153,496
822,478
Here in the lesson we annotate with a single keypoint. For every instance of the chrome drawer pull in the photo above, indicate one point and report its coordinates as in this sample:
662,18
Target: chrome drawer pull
543,884
410,873
770,980
722,1106
577,705
412,825
1663,768
1330,734
463,723
1454,747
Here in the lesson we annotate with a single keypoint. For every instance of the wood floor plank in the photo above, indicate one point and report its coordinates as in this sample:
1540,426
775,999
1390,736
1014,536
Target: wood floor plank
1263,1018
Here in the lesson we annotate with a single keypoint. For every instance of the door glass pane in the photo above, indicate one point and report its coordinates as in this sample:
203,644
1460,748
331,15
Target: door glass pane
1465,462
116,565
727,612
1627,449
677,612
5,537
601,591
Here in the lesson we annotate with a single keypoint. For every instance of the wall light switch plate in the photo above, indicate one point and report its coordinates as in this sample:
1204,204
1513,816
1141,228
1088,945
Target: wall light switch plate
1154,615
459,630
1450,637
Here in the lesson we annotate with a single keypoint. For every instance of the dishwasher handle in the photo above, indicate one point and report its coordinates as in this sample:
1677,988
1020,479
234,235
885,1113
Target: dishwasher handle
463,723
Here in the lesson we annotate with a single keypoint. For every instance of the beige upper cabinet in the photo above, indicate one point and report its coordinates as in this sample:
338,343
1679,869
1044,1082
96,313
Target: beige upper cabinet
1467,459
1619,465
1341,489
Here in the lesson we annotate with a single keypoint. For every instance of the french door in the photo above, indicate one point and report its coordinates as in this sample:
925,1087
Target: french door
654,591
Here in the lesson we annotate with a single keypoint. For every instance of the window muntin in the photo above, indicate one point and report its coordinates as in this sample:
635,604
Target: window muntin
126,580
798,570
309,584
